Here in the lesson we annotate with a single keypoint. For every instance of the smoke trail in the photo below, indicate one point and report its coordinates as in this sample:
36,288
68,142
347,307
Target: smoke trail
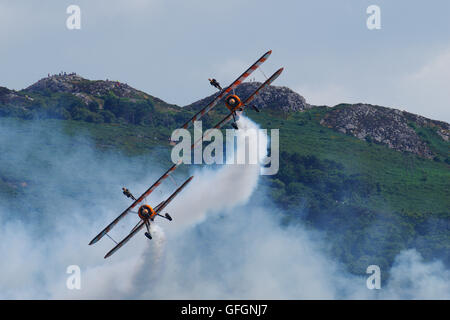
153,263
213,190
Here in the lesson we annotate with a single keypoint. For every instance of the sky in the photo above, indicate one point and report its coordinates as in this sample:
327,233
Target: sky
170,48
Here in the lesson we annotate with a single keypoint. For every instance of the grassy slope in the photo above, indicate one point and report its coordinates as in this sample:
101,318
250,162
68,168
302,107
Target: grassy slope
406,182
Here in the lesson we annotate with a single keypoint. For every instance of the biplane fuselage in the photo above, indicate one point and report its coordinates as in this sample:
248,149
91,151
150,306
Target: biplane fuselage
233,103
146,212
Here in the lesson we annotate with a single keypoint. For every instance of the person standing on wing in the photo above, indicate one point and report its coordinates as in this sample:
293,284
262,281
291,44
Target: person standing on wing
214,83
128,193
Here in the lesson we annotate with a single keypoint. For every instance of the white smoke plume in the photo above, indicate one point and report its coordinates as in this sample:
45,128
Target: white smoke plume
218,190
223,242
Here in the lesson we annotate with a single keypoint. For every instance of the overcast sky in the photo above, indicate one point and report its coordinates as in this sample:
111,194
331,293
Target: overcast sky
169,48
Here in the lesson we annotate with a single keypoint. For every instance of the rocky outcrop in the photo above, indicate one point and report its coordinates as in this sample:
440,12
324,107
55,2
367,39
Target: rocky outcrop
83,88
442,128
271,97
13,97
384,125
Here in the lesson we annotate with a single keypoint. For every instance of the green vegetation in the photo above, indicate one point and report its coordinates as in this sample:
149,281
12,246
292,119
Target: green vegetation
388,179
437,145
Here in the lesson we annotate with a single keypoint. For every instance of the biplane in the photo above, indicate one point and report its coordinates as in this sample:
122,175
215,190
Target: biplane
232,101
145,212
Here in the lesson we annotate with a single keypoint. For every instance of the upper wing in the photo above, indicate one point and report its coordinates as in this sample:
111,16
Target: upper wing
156,184
262,86
123,214
224,92
128,237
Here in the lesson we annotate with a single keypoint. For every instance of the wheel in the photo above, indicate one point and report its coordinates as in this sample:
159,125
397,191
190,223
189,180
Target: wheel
148,235
234,125
168,217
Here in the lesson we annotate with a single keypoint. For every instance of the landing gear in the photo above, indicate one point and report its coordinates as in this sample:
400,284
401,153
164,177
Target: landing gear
234,125
165,216
255,108
147,234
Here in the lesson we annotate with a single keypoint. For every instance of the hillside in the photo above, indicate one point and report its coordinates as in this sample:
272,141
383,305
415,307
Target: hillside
376,180
72,97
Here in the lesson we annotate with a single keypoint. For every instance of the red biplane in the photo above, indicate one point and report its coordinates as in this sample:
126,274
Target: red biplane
145,212
232,101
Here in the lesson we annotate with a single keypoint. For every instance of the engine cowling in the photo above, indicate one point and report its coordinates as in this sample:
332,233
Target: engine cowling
146,212
233,102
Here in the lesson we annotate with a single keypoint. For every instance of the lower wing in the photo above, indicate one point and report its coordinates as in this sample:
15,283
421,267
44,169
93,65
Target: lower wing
126,239
262,86
161,206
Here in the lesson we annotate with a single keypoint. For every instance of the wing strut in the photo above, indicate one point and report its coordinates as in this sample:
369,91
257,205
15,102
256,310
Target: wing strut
112,239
